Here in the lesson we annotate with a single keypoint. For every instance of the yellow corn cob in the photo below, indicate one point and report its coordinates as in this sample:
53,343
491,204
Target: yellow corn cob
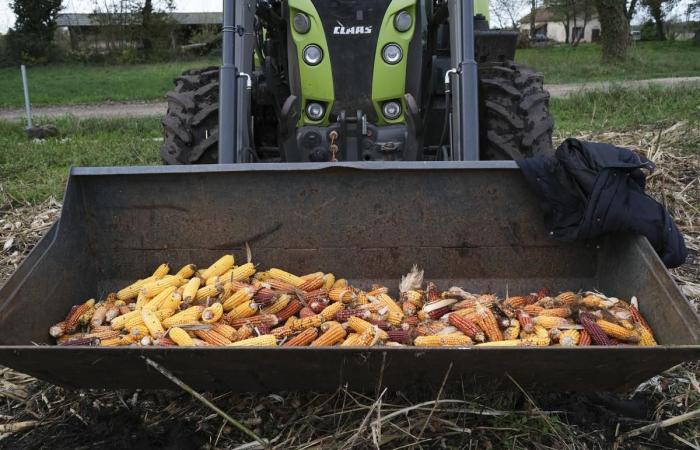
508,343
173,302
339,283
447,340
134,321
413,297
220,266
102,333
186,272
161,271
125,339
330,311
156,287
226,331
362,298
328,281
243,332
180,337
188,316
190,289
238,298
286,277
302,339
243,310
646,338
352,340
593,301
533,310
390,303
307,322
156,302
345,295
569,338
627,324
376,290
513,330
485,319
133,289
243,272
209,292
361,326
536,341
332,336
221,279
141,300
540,331
394,319
213,313
556,312
212,337
312,276
550,322
266,340
152,323
282,332
118,322
567,298
617,332
139,331
163,314
277,306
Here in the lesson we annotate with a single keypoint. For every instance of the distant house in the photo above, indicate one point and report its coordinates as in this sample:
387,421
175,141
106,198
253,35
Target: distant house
549,24
101,31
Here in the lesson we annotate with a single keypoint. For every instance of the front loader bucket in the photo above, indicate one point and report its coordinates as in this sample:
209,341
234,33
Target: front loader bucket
474,225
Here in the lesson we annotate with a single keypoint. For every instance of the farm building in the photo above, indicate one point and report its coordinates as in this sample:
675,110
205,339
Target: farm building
551,24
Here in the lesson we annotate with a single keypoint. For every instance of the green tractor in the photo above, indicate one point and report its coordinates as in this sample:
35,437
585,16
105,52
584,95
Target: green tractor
358,80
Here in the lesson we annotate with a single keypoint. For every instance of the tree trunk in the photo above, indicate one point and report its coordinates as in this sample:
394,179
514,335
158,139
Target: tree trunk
658,15
533,11
614,29
567,28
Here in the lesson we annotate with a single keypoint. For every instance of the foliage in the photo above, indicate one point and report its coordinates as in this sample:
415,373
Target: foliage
31,39
648,31
658,10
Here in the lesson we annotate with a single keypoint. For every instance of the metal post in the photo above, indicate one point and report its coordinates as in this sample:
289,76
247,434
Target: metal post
228,88
27,105
469,87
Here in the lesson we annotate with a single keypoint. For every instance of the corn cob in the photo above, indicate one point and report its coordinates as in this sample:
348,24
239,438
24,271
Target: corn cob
550,322
584,339
432,327
180,337
390,303
352,340
512,331
266,340
569,338
186,272
594,302
190,290
103,334
79,340
172,302
244,332
515,302
133,289
339,283
155,328
206,292
526,323
112,312
597,335
328,281
637,316
219,267
646,338
311,284
213,313
345,314
245,309
413,297
508,343
533,310
447,340
467,327
286,277
139,331
78,315
402,336
240,297
307,322
567,298
225,330
124,339
292,308
302,339
306,312
394,318
156,302
334,335
98,317
556,312
278,305
265,296
330,311
212,337
361,326
188,316
487,321
617,332
269,320
154,288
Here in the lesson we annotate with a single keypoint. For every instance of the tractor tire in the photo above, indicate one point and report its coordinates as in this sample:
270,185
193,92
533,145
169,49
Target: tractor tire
191,124
514,112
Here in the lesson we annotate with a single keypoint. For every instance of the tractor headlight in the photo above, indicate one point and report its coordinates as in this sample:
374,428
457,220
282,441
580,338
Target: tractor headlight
315,111
301,23
313,55
392,54
403,21
391,110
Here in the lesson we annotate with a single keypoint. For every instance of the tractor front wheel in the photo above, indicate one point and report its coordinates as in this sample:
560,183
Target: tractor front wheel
514,112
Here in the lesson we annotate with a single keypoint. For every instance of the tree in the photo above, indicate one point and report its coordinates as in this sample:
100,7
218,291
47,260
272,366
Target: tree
572,14
507,12
657,9
614,29
31,39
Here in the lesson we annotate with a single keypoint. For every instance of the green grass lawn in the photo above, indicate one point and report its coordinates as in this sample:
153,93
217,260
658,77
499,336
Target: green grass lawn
31,171
566,64
69,84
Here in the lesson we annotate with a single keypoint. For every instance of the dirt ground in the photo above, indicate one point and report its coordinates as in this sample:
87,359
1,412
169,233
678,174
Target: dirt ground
34,414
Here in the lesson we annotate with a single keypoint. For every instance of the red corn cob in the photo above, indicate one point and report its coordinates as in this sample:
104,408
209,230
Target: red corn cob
585,339
437,313
269,320
293,307
345,314
525,320
432,292
467,327
637,316
402,336
306,312
598,337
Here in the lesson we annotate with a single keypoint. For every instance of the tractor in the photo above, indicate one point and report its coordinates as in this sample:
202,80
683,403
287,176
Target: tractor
358,80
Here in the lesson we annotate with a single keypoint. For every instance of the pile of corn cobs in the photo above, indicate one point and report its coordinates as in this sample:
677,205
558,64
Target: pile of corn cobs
237,306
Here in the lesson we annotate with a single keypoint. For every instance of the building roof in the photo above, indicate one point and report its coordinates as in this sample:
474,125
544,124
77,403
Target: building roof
94,20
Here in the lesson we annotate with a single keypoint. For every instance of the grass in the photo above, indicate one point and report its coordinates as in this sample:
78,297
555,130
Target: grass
32,171
566,64
72,84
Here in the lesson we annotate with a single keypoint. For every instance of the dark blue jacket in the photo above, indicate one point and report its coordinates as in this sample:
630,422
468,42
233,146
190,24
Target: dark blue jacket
589,189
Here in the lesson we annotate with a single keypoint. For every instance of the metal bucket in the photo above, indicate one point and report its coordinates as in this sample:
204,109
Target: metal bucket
474,225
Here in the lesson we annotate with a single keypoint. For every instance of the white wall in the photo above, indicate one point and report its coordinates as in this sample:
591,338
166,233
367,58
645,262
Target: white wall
557,32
